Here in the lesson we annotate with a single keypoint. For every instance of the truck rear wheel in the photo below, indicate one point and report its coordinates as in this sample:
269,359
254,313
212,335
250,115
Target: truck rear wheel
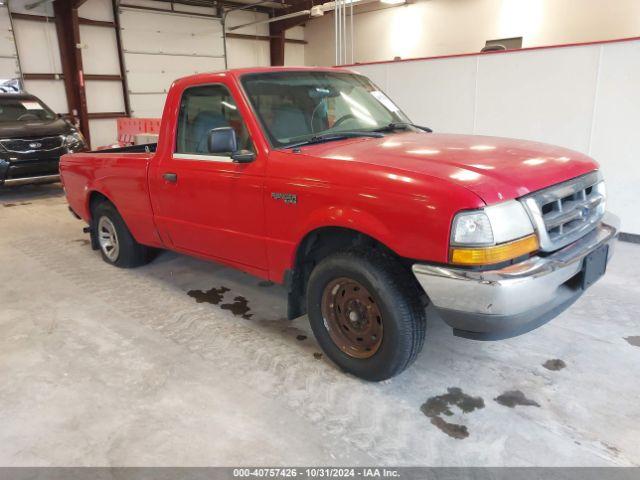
117,245
366,312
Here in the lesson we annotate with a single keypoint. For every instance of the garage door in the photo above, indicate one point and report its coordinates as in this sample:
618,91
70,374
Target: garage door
159,47
9,65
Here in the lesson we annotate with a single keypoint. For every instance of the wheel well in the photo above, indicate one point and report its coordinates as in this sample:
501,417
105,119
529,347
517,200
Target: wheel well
315,246
95,199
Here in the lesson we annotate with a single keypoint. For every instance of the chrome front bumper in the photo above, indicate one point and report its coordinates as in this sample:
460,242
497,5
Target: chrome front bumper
502,303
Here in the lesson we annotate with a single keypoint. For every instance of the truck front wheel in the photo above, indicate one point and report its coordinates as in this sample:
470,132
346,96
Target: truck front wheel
117,245
366,313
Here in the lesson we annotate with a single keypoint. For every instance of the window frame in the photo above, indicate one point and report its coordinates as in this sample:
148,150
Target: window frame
203,156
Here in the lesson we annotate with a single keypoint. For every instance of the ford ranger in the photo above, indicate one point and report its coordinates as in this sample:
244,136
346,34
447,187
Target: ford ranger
314,178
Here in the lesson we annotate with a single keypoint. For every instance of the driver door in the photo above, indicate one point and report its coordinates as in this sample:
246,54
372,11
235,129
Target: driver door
207,204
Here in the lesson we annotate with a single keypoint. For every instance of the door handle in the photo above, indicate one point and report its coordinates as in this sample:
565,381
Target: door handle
170,177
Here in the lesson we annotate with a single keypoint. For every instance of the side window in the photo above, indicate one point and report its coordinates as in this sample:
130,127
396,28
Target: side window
203,109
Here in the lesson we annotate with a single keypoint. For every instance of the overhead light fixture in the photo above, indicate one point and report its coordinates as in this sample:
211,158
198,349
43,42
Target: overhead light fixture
393,2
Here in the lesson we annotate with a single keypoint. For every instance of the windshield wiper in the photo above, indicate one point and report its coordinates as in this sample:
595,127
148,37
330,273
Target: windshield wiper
401,126
327,137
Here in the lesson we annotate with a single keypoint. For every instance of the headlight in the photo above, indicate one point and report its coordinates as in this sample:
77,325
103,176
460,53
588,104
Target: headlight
492,235
74,139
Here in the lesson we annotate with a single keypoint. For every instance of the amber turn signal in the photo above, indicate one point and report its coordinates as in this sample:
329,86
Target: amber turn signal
494,254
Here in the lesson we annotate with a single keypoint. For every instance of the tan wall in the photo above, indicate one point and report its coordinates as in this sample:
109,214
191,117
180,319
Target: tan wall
442,27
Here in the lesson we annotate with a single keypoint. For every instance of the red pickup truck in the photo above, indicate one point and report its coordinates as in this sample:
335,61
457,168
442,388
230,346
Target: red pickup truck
314,178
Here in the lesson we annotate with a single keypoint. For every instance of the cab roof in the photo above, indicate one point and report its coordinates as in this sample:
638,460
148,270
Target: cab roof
238,72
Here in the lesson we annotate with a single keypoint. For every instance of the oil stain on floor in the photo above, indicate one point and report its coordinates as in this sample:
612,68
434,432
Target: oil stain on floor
239,307
440,405
554,364
317,355
301,337
213,296
514,398
635,341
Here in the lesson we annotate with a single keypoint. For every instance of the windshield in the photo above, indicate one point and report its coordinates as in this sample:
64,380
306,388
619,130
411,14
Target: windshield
24,110
298,106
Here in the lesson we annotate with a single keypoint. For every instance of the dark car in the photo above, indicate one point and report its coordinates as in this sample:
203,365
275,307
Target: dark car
32,139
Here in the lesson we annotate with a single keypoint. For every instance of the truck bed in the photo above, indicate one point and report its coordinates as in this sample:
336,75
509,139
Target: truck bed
120,175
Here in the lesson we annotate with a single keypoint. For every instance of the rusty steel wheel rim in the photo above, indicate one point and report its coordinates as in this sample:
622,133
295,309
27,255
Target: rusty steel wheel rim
352,317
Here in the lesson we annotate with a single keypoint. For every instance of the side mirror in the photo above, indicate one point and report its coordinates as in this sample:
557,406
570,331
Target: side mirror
222,140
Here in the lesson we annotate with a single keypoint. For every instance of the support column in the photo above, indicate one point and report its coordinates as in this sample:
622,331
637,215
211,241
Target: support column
276,45
68,30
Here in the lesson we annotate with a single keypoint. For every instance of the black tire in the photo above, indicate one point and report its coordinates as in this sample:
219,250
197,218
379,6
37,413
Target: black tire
396,296
130,253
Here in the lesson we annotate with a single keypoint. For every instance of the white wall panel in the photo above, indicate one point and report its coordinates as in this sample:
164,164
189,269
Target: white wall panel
247,53
161,47
147,106
103,132
97,10
9,67
615,141
545,95
296,33
35,8
584,97
170,33
428,80
293,54
155,73
377,73
104,96
99,50
51,92
242,17
37,46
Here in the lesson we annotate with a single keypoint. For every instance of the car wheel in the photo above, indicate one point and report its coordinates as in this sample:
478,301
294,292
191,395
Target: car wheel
366,312
117,245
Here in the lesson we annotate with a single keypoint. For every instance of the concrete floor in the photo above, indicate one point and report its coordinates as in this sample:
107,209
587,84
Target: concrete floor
101,366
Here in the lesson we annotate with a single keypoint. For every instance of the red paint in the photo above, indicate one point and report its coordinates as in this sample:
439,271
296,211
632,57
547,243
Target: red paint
402,190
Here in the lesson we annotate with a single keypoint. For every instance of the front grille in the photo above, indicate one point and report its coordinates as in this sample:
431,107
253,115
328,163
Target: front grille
31,145
565,212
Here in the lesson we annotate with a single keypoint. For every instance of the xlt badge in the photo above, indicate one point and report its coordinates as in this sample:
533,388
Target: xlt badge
290,198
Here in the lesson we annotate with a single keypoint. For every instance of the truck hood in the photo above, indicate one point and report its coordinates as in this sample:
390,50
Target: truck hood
34,129
494,168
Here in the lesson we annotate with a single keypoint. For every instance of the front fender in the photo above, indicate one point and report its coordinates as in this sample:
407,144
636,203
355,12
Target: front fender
346,217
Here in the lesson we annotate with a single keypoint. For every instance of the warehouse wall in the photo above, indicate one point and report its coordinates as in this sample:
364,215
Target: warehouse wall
250,53
9,67
44,58
444,27
584,97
